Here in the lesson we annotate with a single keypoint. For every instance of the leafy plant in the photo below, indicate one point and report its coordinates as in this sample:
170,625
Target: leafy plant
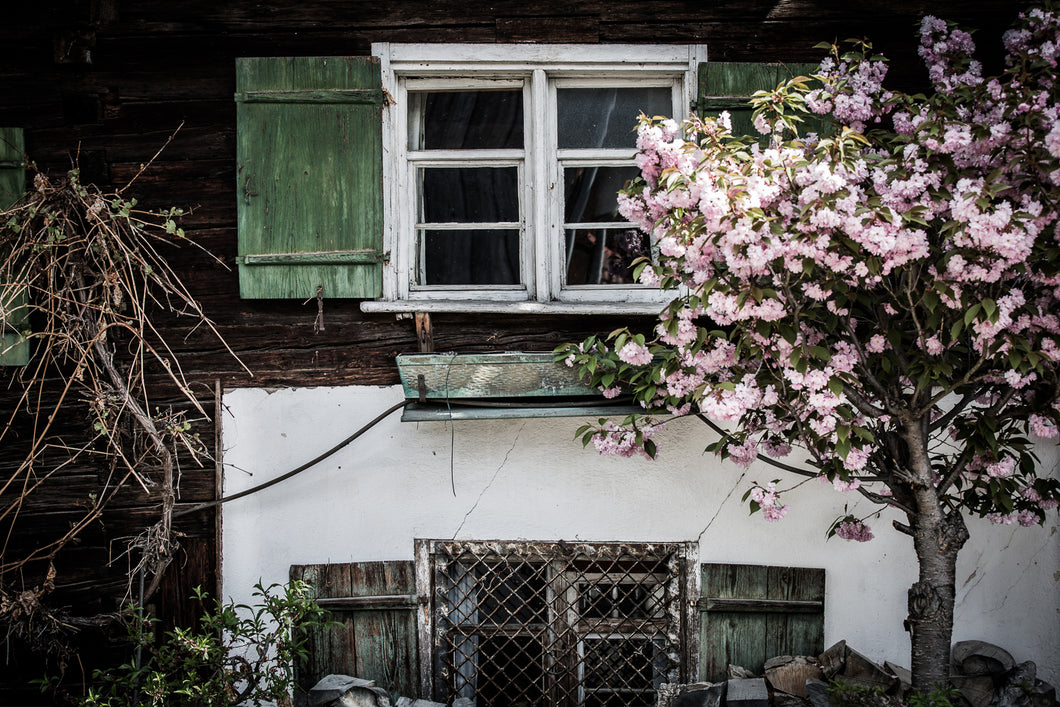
239,655
939,696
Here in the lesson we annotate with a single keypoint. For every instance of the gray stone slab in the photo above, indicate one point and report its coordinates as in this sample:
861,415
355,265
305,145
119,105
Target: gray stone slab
332,687
409,702
817,693
710,696
750,692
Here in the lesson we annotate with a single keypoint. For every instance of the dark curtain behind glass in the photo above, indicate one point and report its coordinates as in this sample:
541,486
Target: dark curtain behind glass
472,120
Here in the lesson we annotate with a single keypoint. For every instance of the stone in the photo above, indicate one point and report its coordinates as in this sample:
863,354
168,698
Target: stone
817,691
332,687
738,672
712,695
981,658
462,702
833,660
978,690
1022,688
859,670
786,699
790,675
409,702
363,697
749,692
904,675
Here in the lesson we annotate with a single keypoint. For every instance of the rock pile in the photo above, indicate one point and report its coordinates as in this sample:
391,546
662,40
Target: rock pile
984,674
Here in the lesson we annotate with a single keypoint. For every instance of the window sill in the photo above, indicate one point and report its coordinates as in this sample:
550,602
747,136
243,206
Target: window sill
481,307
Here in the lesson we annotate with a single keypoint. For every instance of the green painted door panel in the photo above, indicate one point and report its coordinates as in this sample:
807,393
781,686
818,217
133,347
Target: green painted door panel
14,315
750,613
729,86
374,605
309,176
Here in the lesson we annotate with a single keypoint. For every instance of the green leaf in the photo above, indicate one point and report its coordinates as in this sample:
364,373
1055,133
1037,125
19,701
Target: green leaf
835,385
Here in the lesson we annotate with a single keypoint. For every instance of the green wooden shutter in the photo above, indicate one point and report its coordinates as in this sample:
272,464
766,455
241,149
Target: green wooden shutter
729,86
309,176
374,604
750,613
14,346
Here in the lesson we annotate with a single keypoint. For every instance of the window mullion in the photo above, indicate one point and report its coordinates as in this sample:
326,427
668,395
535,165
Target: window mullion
540,157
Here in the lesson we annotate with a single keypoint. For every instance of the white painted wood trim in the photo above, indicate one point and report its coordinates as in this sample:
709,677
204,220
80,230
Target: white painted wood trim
517,307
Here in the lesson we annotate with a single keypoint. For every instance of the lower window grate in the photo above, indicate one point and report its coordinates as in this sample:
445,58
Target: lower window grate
521,624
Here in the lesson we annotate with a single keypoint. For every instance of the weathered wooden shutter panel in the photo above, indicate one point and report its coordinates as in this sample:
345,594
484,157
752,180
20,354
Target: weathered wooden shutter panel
309,176
729,86
14,347
374,604
750,613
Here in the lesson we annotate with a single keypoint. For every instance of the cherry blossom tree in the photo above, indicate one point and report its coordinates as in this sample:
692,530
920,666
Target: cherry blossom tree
883,297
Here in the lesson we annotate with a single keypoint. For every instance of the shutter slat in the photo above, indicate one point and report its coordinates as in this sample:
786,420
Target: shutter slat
319,258
14,346
354,95
309,176
767,606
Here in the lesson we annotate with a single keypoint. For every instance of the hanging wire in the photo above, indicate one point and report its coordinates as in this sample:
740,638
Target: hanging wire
294,472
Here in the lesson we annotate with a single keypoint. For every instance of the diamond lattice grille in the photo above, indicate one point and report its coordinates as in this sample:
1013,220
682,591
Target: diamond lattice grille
556,624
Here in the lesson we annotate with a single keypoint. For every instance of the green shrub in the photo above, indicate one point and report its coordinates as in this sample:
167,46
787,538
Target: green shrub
239,654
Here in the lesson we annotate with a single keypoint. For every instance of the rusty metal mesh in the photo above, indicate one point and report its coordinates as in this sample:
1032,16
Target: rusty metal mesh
528,624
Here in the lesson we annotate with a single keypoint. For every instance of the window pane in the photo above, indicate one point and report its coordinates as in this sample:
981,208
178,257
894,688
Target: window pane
597,256
590,194
466,120
486,257
469,194
607,117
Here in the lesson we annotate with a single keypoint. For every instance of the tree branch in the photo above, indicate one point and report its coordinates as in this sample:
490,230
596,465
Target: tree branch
761,457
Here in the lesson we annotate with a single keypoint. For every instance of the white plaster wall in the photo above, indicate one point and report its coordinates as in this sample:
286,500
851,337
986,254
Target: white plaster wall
530,479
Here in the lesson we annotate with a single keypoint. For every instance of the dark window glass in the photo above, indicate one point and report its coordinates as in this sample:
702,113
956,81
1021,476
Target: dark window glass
471,257
590,194
604,256
469,194
607,117
466,120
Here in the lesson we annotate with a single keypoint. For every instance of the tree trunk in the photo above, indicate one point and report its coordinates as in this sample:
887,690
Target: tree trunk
938,536
931,598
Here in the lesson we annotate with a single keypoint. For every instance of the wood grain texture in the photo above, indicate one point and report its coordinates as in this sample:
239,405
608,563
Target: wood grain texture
105,83
373,643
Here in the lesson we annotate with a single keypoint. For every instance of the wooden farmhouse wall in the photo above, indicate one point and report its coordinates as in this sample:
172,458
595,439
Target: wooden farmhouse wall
105,83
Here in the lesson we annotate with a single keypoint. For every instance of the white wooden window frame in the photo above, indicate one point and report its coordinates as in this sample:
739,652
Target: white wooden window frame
540,69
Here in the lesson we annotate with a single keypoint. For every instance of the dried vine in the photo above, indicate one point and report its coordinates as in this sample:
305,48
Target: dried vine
82,279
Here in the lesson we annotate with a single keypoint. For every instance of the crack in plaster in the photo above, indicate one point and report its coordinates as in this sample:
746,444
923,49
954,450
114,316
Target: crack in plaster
490,483
720,506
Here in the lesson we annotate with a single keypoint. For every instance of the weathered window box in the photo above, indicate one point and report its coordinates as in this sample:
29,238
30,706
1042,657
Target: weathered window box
450,386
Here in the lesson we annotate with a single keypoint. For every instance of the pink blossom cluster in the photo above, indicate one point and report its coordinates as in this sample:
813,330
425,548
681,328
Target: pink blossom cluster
768,500
855,530
615,440
852,93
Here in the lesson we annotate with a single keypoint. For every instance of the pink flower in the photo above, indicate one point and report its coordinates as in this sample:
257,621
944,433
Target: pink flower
854,530
774,513
877,344
1043,427
634,354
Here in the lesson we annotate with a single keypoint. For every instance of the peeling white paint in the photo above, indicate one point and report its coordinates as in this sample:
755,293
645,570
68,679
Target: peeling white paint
530,479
